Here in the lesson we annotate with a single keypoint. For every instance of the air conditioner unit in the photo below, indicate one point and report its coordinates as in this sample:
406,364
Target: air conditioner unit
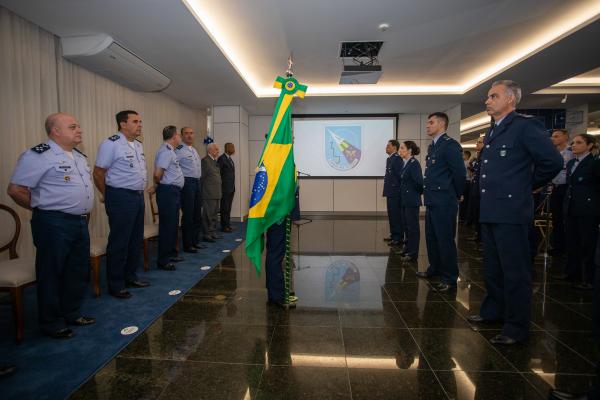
101,54
360,74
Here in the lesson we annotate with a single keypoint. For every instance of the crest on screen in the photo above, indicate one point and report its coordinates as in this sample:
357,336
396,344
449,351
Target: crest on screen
343,146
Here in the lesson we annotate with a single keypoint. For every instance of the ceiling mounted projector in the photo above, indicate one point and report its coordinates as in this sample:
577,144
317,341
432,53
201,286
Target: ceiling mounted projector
360,74
365,68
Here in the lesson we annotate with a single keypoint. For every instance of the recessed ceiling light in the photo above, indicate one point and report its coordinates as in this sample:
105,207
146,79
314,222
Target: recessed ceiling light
383,26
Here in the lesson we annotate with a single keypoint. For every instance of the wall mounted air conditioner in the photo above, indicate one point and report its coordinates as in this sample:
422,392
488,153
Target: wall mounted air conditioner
101,54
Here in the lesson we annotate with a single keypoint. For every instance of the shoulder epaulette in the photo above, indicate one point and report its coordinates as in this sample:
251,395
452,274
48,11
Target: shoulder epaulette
180,147
525,115
79,151
169,147
138,140
114,138
40,148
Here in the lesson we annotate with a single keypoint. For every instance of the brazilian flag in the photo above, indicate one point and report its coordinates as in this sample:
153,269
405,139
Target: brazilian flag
273,193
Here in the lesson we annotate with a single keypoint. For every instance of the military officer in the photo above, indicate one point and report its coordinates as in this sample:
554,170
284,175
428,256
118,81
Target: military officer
120,176
443,184
53,179
411,189
191,194
517,158
391,191
560,139
169,181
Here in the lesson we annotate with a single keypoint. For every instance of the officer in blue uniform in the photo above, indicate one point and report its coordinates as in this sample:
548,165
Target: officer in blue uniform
53,179
411,189
517,158
391,191
169,180
443,184
473,215
191,194
582,211
120,176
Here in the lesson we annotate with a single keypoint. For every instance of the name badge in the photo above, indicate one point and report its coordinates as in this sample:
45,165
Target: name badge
502,153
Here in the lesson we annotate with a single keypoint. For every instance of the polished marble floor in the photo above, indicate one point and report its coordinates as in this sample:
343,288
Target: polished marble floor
365,328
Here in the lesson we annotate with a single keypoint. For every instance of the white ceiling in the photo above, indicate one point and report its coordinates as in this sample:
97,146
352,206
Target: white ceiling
430,42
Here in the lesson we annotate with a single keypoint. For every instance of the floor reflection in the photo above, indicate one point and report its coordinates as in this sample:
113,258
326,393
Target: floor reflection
365,328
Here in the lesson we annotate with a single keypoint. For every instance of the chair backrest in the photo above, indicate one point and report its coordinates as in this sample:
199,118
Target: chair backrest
153,207
11,228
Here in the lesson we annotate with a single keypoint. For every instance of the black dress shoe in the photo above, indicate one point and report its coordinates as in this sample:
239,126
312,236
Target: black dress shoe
190,250
7,370
227,229
477,319
121,294
423,275
64,333
176,259
443,287
168,267
137,284
82,321
503,340
394,243
559,395
208,239
200,246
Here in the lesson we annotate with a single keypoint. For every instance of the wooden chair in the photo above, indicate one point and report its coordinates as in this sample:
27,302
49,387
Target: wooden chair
97,250
150,230
16,273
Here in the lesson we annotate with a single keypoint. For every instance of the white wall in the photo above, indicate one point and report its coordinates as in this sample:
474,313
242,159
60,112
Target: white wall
349,195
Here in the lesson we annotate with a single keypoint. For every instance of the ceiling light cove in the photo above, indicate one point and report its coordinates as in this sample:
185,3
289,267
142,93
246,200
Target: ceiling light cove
243,49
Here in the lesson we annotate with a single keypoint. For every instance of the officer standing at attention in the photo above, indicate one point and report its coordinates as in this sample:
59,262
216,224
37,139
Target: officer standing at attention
517,158
169,180
560,140
391,191
120,176
227,168
411,189
443,184
53,179
191,194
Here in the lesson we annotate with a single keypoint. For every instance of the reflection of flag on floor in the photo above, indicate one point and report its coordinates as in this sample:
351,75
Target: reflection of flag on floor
273,195
351,153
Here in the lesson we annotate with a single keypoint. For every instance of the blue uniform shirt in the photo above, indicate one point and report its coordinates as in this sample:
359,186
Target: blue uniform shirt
189,161
167,160
445,173
56,181
125,164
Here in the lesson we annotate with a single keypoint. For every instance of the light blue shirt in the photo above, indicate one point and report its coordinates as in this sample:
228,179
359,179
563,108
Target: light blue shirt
167,160
56,181
189,161
435,139
561,178
125,164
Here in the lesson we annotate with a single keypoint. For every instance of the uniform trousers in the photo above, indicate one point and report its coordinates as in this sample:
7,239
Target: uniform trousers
582,232
210,209
274,262
412,230
440,233
507,276
191,210
168,199
395,218
557,199
125,210
62,266
225,209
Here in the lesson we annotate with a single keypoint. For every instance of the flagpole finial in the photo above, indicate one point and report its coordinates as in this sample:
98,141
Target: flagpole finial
289,73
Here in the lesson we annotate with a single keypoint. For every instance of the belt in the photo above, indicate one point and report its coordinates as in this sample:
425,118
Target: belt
132,191
191,178
60,214
169,187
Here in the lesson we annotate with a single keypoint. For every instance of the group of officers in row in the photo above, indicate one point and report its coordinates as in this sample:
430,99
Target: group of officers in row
54,180
516,159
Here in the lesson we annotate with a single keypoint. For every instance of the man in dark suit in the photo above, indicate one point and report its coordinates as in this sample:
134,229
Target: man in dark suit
443,184
517,157
211,192
391,191
227,185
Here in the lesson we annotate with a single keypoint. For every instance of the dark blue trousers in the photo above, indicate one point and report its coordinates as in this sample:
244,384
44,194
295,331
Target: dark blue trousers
440,233
582,232
412,230
168,199
191,208
62,266
395,218
274,262
125,210
507,275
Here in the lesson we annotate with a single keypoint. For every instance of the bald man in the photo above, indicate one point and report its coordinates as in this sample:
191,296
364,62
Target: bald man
53,180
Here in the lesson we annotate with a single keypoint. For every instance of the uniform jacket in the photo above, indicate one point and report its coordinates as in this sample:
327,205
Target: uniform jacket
227,173
393,172
211,179
583,190
518,158
411,184
445,173
475,167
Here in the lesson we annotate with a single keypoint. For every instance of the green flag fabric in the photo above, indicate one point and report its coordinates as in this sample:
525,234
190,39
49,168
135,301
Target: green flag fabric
273,193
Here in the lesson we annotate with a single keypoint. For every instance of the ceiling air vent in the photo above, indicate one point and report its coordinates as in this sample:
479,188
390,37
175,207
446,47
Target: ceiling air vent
361,65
